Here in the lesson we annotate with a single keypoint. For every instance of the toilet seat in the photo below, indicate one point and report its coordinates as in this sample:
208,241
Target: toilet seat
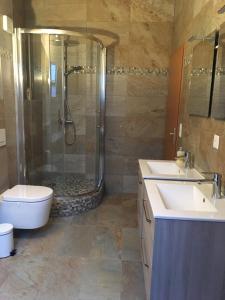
27,193
5,228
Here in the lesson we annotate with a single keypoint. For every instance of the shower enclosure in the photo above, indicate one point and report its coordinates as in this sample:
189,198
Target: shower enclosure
60,88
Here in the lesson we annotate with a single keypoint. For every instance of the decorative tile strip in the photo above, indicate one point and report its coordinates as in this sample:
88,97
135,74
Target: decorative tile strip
220,71
85,70
201,71
137,71
117,70
5,53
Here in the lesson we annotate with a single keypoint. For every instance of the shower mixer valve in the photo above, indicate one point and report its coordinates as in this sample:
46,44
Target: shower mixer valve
60,120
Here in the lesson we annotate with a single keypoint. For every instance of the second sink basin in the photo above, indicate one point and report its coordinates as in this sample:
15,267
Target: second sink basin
165,168
184,198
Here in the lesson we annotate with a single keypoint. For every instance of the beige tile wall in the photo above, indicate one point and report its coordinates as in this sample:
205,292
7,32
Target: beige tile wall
135,111
199,17
18,12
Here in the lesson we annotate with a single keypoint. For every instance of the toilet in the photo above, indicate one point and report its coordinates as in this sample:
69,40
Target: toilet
26,206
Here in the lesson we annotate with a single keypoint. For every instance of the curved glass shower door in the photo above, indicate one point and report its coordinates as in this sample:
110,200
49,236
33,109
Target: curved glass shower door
63,113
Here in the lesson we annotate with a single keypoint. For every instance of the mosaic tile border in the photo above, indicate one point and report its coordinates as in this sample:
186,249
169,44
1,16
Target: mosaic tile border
5,53
138,71
69,206
119,70
220,71
201,71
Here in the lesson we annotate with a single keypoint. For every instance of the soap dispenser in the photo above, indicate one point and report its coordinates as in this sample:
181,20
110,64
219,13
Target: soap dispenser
180,157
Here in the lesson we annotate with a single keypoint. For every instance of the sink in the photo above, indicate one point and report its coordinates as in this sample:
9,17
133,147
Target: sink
183,197
165,168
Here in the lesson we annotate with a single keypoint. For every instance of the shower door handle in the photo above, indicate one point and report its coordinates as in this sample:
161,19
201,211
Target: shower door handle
29,94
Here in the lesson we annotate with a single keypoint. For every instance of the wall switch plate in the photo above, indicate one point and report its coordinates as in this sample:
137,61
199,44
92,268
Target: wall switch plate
7,24
180,130
216,141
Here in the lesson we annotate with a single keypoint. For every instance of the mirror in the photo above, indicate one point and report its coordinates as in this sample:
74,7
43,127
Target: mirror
200,86
218,103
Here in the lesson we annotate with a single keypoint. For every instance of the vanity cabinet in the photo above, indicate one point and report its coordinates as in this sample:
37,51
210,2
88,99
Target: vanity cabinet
139,202
182,259
147,239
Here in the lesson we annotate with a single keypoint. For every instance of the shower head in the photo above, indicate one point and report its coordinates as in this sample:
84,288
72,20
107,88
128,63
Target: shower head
74,69
221,10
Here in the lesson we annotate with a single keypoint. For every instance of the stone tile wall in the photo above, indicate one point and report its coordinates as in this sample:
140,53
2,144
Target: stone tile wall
135,110
7,105
197,17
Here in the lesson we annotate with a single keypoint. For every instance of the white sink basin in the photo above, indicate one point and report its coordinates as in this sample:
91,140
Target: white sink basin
165,168
184,198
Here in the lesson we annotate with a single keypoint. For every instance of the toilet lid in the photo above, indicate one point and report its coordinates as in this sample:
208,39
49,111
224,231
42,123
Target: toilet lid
27,193
5,228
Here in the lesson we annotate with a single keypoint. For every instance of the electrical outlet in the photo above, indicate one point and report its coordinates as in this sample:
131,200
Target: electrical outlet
216,141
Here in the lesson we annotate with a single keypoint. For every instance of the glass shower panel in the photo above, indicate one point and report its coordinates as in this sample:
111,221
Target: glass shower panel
44,142
36,94
53,112
62,80
81,158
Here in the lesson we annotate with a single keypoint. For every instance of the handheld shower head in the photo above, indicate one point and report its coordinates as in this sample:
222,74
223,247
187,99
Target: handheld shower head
74,69
221,10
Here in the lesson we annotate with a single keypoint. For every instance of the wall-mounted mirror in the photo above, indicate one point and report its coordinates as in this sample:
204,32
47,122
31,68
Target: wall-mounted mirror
218,103
201,80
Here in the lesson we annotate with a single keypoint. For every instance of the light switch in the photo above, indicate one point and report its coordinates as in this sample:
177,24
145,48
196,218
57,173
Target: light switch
180,130
216,141
7,24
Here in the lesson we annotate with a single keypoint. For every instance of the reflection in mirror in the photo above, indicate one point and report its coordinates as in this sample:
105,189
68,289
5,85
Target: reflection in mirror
218,103
201,75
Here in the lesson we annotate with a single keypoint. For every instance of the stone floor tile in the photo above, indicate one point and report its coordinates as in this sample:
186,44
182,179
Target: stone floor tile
44,241
110,215
130,244
91,241
101,278
132,281
94,256
62,279
87,218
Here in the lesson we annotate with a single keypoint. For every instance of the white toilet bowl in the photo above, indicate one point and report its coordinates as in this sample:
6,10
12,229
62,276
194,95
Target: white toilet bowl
26,206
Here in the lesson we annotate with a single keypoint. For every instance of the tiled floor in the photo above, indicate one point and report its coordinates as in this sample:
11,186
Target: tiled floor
94,256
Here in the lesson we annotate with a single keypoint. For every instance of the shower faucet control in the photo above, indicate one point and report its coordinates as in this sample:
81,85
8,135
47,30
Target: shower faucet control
63,122
68,122
60,120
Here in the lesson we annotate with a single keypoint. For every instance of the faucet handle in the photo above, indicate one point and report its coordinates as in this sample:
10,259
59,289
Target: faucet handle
215,174
217,177
188,160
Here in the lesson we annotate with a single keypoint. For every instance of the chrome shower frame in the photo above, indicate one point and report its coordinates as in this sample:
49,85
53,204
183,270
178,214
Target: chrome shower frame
19,95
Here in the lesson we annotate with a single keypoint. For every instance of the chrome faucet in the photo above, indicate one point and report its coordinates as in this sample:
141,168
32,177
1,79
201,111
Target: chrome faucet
217,183
188,160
